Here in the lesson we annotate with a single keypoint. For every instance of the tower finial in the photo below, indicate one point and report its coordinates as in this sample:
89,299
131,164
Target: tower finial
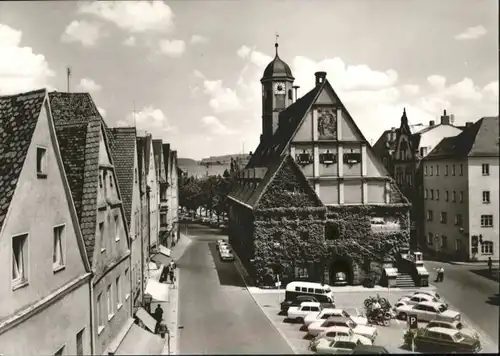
276,44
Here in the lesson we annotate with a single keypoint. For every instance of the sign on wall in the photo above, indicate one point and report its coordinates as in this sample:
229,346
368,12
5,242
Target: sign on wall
385,224
327,124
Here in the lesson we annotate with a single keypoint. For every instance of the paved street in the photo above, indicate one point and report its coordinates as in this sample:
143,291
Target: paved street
467,289
217,314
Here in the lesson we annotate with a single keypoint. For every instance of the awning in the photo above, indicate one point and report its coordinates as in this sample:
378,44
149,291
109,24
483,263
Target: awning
140,342
146,318
157,290
164,251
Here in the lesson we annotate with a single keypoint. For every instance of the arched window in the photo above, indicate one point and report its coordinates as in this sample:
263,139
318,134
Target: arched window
290,94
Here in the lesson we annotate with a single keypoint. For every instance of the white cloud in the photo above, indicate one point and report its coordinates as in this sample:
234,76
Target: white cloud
150,119
437,81
102,112
491,90
472,33
88,85
198,39
87,33
411,89
172,48
198,74
20,68
133,16
216,127
222,99
130,41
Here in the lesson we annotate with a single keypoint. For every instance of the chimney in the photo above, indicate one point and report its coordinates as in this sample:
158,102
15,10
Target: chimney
250,154
469,124
295,88
432,123
445,119
320,77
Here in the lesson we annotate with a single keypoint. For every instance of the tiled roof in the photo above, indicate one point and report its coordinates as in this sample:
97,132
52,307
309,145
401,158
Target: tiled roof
480,140
141,141
124,141
18,118
166,157
78,128
382,146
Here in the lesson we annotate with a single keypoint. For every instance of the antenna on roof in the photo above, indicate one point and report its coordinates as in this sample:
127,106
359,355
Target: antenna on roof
68,74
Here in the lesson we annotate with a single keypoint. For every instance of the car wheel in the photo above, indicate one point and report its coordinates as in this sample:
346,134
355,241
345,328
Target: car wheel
402,316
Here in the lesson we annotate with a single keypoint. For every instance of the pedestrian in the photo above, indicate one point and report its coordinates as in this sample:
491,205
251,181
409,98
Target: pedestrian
172,276
441,274
164,274
490,265
163,329
158,315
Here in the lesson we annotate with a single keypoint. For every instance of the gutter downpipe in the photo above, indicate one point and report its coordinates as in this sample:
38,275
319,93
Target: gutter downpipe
92,309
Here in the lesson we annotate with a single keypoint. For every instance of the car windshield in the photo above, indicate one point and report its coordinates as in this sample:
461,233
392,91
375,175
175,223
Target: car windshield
458,337
442,308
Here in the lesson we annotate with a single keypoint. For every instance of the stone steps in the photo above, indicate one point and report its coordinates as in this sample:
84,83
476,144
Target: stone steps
404,280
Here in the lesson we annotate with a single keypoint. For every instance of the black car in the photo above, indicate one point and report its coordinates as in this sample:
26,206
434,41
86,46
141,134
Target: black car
441,340
303,298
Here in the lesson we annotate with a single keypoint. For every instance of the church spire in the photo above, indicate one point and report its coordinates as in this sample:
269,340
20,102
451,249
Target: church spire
276,45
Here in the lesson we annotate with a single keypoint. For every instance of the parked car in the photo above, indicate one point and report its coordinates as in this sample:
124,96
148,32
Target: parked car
226,255
335,331
328,312
303,298
454,325
322,292
378,350
221,242
299,313
427,292
441,340
417,298
339,345
427,311
318,327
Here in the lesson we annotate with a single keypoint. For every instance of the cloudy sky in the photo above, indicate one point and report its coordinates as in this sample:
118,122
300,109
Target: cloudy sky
191,69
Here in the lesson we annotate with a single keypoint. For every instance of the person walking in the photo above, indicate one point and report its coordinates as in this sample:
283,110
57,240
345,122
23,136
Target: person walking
164,274
441,274
158,315
172,276
490,266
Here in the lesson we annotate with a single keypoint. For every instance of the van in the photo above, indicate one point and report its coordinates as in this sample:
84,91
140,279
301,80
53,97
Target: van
321,292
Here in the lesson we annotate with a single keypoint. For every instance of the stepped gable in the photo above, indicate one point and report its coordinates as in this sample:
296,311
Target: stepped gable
122,150
477,140
18,118
78,129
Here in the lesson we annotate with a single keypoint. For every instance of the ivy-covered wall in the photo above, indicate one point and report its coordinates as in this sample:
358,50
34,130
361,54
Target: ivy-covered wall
286,238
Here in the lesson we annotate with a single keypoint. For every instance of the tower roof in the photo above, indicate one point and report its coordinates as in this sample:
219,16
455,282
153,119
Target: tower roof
277,68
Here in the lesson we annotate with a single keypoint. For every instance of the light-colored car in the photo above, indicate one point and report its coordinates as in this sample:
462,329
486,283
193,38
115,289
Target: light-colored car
221,242
299,313
427,292
454,325
427,311
335,331
417,298
328,312
320,326
342,345
227,256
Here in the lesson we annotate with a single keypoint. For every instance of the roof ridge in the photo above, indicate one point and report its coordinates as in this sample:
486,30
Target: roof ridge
26,93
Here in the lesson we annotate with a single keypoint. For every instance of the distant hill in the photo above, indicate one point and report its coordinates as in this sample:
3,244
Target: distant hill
186,162
212,165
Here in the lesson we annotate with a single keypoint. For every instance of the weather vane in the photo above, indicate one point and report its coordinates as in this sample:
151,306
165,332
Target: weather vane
277,37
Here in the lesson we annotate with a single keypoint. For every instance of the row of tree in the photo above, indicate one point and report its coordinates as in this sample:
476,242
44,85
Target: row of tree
208,192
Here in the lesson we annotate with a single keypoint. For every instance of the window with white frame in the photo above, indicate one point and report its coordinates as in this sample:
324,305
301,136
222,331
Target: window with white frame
58,254
458,219
486,196
453,170
100,313
437,169
41,161
425,170
437,194
117,228
447,195
461,196
485,167
444,217
430,239
19,260
432,170
118,292
446,170
109,296
486,220
425,194
458,245
101,236
127,294
454,196
461,169
487,248
430,215
444,241
432,194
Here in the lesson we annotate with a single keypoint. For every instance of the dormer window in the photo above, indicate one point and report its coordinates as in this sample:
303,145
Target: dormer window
41,162
303,158
328,158
110,179
100,180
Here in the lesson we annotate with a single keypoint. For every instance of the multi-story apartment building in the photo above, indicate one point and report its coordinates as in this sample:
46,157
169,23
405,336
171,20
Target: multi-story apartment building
124,153
402,154
161,175
314,166
45,275
145,207
461,193
151,189
89,168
